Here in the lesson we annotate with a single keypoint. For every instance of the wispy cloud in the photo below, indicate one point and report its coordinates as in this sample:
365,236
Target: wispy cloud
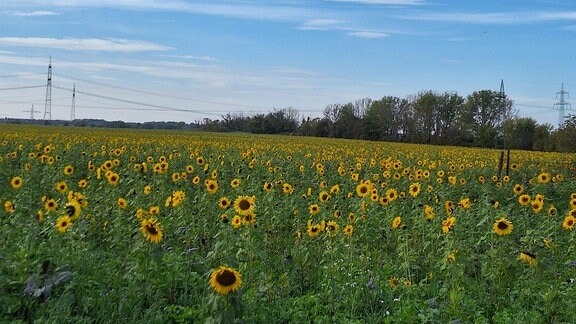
320,24
238,9
193,58
30,14
367,34
84,44
384,2
494,18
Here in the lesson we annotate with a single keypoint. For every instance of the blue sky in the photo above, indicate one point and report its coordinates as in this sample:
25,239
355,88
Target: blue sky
176,60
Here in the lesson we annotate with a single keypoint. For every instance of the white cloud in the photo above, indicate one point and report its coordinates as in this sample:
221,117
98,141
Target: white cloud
384,2
84,44
319,24
494,18
31,13
367,34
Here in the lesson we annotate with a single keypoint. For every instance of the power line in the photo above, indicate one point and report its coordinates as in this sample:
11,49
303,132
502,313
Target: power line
151,93
20,88
162,108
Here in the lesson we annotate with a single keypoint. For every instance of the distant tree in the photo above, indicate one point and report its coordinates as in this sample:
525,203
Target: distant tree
349,122
565,136
447,123
542,138
484,114
519,133
382,118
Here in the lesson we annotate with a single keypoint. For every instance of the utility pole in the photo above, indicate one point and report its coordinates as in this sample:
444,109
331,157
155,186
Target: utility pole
48,102
562,105
73,109
32,111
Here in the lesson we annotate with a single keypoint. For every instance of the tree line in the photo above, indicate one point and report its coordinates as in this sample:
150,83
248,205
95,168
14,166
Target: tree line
484,118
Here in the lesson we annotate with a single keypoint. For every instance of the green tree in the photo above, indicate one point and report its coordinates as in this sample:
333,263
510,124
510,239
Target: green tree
565,136
519,133
382,119
484,114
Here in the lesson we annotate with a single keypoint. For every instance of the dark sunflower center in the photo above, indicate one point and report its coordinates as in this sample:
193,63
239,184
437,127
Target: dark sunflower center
226,278
151,229
363,189
570,223
314,229
244,204
502,225
211,187
64,223
70,210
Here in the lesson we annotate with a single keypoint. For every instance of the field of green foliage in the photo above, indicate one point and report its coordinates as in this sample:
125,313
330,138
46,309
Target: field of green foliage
175,227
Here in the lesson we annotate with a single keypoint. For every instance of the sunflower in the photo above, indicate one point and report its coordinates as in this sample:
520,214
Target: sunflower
332,228
200,160
9,207
154,210
528,258
16,182
552,211
502,226
348,230
73,209
224,203
122,203
335,189
244,205
524,199
287,188
225,280
68,170
151,229
518,189
196,180
236,221
82,183
397,222
314,209
61,187
40,216
324,196
429,212
211,186
544,177
268,187
113,178
313,230
391,194
363,189
175,177
465,203
63,223
448,224
536,206
569,222
50,205
572,203
414,189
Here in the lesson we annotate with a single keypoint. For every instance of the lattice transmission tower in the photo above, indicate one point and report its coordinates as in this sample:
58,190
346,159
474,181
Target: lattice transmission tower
73,109
48,102
562,105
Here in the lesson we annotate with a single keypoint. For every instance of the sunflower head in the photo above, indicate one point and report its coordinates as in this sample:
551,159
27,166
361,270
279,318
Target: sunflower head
502,226
151,229
225,280
244,205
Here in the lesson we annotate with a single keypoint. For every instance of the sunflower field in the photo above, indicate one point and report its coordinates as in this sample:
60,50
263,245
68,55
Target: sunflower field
181,227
